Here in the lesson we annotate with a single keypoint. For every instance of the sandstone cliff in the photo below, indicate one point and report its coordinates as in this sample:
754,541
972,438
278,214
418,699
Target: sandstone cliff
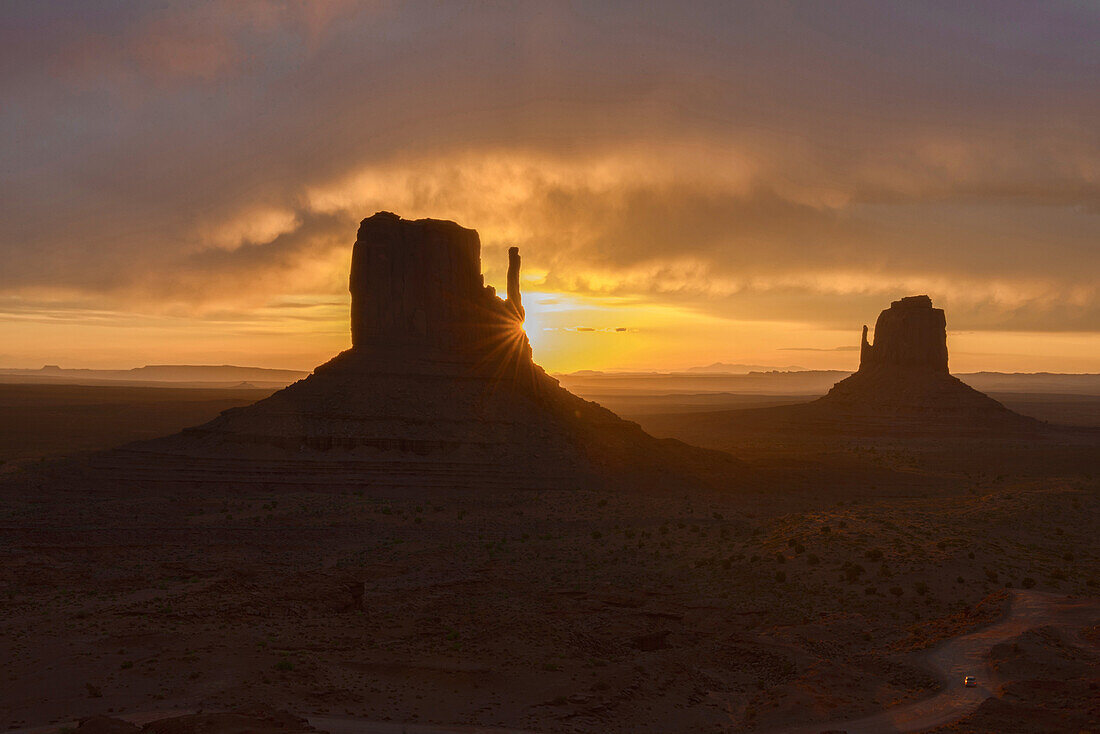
438,389
904,373
909,334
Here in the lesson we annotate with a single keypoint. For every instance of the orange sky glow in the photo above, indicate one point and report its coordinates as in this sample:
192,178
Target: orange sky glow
725,182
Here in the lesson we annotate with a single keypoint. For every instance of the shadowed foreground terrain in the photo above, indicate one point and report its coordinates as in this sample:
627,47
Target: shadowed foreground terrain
807,596
38,421
53,420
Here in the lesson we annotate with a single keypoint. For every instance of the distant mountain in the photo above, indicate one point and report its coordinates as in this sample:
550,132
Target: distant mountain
202,374
742,369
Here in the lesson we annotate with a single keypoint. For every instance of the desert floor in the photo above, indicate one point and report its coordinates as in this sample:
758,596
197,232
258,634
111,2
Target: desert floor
813,589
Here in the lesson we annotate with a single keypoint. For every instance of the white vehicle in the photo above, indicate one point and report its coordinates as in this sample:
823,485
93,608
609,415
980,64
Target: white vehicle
970,681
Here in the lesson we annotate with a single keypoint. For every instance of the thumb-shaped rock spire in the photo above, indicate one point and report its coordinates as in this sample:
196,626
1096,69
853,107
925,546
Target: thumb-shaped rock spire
515,300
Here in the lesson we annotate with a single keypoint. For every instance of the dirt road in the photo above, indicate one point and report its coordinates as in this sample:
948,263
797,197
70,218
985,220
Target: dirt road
961,656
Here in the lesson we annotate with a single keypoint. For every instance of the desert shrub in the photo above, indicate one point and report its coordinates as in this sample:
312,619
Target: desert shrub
791,542
874,554
870,591
991,574
780,576
1068,557
825,529
717,515
812,559
1058,574
596,535
842,524
960,580
799,549
754,559
780,558
727,563
921,588
897,590
284,665
853,572
942,545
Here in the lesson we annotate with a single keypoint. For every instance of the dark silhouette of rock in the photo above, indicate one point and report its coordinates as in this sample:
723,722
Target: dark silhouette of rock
908,334
418,286
902,390
439,388
514,298
904,373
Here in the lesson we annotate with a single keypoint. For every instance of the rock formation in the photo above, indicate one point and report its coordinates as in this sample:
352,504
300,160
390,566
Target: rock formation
439,388
904,373
514,298
909,334
417,287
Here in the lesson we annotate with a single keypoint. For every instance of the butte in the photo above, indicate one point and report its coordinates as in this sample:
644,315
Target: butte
439,390
903,388
904,375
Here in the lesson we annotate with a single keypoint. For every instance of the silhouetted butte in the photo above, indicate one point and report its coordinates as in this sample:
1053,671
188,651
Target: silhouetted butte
438,389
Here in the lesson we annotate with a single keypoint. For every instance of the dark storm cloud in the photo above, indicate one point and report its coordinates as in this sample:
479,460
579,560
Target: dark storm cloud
760,160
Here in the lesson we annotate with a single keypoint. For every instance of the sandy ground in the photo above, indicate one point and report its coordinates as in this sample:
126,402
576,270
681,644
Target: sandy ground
805,596
951,660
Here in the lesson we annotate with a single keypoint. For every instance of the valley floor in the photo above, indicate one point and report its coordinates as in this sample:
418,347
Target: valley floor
804,598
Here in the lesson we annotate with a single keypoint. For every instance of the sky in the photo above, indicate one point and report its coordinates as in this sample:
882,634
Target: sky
688,182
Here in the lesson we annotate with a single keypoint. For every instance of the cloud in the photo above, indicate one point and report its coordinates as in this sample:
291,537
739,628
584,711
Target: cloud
763,162
591,329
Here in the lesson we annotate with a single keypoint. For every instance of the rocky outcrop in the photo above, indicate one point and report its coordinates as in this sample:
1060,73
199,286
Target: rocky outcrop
438,389
417,286
904,375
909,334
514,298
